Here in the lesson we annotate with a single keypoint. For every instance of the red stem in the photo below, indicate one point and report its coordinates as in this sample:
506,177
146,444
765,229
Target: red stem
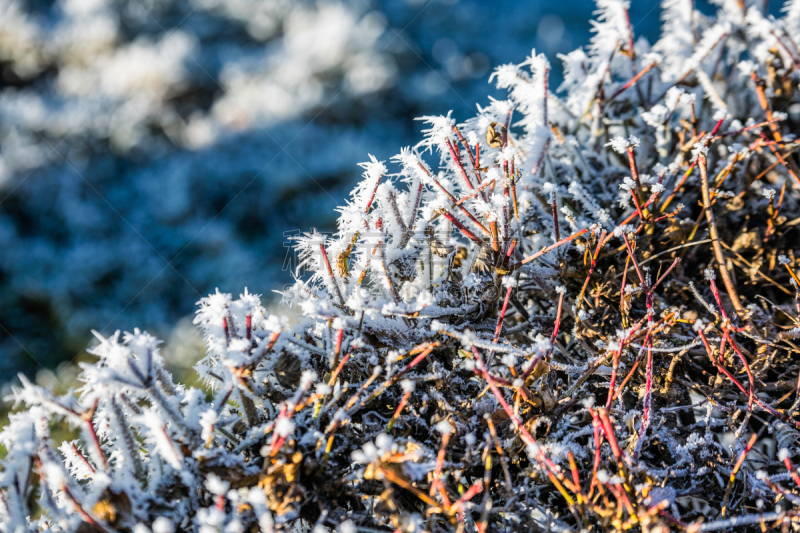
457,223
457,161
549,248
633,80
502,315
330,273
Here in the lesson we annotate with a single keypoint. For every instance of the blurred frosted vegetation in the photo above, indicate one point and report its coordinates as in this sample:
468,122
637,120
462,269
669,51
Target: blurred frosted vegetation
152,150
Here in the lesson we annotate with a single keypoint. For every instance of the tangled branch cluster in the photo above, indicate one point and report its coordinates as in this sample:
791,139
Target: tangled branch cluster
574,311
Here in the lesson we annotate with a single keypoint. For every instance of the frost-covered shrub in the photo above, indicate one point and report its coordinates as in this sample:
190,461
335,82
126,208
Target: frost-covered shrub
191,135
575,310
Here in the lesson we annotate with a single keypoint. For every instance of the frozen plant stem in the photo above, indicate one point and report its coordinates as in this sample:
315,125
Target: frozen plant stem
714,234
549,248
330,273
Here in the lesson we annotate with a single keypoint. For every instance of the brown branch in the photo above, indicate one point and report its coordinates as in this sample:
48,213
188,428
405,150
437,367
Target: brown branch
715,242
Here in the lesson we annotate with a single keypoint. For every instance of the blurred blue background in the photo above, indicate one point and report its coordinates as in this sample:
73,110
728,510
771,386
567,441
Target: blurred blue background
153,150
